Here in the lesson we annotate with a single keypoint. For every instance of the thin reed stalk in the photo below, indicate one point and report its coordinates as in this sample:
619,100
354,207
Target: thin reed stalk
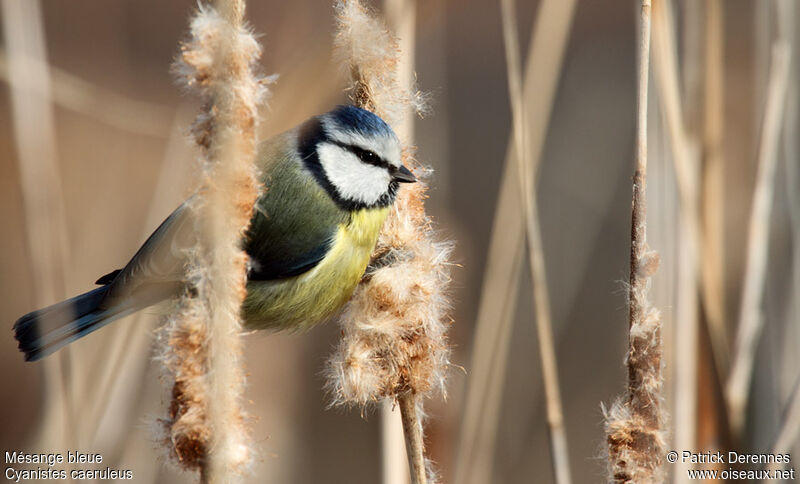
751,320
400,19
555,415
713,189
71,92
686,164
394,342
394,460
207,430
789,429
504,264
712,430
634,425
791,158
415,444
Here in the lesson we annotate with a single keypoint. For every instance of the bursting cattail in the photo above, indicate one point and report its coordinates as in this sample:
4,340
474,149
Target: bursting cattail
394,343
201,348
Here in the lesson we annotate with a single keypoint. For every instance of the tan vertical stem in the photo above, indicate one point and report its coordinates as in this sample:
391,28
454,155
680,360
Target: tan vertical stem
713,194
45,220
751,319
500,289
684,159
415,445
555,416
401,19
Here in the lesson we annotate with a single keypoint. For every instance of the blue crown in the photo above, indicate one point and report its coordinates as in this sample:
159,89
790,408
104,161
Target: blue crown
360,120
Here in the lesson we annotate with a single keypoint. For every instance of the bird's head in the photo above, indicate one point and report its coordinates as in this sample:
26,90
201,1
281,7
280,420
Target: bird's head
355,156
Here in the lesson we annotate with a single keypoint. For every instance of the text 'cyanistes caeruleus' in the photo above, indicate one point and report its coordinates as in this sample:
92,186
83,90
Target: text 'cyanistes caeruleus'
329,184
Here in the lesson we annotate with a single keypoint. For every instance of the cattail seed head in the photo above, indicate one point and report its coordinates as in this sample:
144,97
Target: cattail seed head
201,347
394,327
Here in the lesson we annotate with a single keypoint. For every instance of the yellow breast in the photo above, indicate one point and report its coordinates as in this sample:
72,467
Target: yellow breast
302,301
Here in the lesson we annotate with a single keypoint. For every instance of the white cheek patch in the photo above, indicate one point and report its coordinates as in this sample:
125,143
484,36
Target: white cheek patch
353,179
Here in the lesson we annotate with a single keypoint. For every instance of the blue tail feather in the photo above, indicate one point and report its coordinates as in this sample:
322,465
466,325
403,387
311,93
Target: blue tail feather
44,331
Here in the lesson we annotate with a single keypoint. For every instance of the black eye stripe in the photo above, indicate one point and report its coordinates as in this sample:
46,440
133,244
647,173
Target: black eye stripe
366,156
310,135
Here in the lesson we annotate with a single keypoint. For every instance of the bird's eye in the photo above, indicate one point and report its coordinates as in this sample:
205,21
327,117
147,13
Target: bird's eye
367,156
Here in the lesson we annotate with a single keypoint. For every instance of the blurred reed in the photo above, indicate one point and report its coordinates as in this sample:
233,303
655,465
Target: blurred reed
536,259
72,92
751,319
684,150
40,179
703,99
500,287
713,273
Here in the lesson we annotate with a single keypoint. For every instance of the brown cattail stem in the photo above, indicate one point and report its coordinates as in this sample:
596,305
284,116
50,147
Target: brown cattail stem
415,444
641,262
639,206
634,426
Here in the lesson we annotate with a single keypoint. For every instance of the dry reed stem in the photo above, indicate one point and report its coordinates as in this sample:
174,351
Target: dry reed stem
711,429
751,319
415,445
634,424
394,458
401,19
394,343
791,158
45,220
790,428
686,164
207,424
713,191
555,415
106,106
504,263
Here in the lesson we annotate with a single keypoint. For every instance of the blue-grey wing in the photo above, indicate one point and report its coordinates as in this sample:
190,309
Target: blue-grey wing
156,271
295,221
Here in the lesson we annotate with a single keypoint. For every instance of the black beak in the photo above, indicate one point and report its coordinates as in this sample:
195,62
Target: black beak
404,175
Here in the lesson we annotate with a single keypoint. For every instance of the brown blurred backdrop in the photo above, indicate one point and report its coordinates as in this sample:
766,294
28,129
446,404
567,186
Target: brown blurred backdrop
123,166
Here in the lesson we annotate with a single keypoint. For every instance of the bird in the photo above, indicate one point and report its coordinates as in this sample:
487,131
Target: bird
329,184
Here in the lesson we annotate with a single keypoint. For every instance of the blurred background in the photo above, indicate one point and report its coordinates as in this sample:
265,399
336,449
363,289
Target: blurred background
93,155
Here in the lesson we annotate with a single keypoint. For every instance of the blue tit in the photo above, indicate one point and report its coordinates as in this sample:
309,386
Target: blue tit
329,185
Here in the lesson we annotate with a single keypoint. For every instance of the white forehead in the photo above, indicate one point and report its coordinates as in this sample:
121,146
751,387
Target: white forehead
386,145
